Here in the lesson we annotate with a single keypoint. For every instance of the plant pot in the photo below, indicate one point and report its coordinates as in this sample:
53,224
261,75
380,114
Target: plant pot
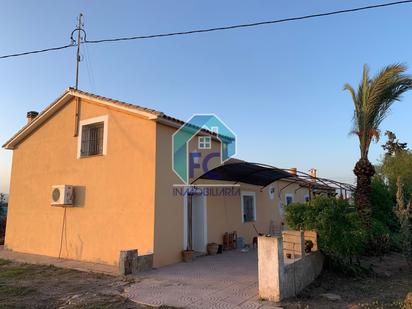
212,248
308,246
187,255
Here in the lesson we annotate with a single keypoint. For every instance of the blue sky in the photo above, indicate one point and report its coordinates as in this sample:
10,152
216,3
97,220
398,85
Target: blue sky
278,87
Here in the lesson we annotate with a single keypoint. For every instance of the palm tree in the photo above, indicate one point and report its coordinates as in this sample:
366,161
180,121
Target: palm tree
372,101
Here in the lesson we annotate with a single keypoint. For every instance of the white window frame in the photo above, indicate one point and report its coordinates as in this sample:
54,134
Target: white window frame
105,120
247,193
289,195
203,144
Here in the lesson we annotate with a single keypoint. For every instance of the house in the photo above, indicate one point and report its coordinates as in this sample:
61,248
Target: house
118,158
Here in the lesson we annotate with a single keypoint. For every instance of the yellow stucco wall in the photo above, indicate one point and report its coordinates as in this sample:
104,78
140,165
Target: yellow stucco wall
168,241
225,213
169,215
114,193
124,199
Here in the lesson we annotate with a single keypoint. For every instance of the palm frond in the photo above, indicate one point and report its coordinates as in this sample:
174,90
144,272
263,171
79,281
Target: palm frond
374,99
349,88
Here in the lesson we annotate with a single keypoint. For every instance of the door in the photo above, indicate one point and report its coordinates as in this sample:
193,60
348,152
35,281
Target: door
199,223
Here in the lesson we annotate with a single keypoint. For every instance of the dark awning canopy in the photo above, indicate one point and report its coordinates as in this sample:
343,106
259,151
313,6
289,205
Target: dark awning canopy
236,171
246,172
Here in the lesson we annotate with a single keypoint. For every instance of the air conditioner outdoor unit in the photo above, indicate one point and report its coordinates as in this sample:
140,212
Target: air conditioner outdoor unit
62,195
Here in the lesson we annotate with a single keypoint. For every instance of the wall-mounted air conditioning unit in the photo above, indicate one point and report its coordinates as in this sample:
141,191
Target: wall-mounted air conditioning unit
62,195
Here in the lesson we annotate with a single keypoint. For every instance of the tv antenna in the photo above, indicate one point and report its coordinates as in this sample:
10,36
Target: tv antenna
81,38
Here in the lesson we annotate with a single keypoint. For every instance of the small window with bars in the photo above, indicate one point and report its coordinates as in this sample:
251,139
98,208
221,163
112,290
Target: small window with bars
92,139
205,142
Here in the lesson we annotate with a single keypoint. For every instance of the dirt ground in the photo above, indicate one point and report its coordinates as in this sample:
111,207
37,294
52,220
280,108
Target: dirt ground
36,286
386,287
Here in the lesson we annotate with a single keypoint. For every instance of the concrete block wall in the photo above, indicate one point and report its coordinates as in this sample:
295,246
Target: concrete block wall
301,273
279,280
130,262
292,243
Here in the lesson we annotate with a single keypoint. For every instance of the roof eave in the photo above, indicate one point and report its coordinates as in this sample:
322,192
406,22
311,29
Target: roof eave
36,122
114,103
64,98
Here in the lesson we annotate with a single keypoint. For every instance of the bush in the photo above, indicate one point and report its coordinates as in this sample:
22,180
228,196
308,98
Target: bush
341,236
3,215
383,204
385,232
295,215
2,228
379,241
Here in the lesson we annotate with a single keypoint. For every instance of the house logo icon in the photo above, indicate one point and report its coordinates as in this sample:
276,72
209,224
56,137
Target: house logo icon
181,138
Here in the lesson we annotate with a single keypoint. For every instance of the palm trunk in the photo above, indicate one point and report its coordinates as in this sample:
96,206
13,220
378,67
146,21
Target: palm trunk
364,171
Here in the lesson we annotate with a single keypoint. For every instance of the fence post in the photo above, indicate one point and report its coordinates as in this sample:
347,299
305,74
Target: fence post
271,267
302,243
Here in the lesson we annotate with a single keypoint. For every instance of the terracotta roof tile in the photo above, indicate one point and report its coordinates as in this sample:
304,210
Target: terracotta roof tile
73,92
121,103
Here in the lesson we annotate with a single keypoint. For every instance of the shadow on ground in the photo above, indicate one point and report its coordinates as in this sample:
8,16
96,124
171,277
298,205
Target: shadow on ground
386,287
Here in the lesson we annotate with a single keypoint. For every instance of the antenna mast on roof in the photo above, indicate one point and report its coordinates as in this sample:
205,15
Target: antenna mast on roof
79,29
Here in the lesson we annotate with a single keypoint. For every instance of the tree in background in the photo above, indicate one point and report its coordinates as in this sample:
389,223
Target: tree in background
399,165
395,176
404,214
2,217
3,204
393,146
372,101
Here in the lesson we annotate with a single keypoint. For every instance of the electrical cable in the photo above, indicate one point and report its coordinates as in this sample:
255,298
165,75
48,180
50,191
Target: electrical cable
89,67
262,23
231,27
62,232
38,51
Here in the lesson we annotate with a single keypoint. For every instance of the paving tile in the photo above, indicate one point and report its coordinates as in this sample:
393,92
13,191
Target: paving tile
223,281
269,305
211,305
251,304
236,300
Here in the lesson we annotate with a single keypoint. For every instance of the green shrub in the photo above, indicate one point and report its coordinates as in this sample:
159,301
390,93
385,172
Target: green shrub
341,236
383,204
379,239
385,233
295,215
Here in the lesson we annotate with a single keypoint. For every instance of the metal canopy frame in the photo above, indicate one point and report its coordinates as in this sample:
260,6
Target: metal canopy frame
246,172
263,175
